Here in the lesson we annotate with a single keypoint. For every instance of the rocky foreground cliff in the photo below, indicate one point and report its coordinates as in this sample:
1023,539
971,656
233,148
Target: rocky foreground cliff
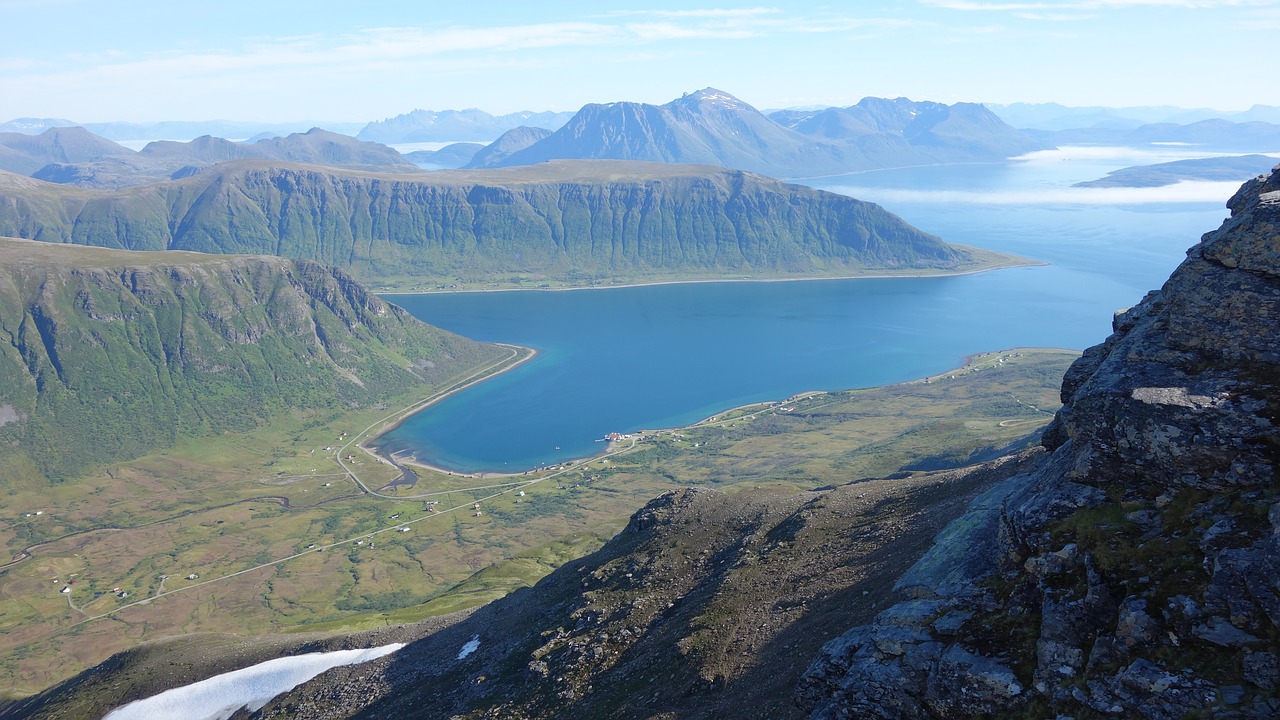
1137,572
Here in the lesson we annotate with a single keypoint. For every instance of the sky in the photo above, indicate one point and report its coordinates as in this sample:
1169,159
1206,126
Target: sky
282,61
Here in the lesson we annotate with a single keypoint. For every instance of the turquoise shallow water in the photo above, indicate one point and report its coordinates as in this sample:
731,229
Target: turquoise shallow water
647,357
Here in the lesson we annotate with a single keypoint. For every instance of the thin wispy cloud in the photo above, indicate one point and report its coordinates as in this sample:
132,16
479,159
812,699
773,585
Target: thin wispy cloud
1056,17
657,31
1051,8
1268,19
378,48
713,12
390,43
470,55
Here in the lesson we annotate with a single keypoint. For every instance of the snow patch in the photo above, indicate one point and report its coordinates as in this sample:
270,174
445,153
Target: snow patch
469,647
220,696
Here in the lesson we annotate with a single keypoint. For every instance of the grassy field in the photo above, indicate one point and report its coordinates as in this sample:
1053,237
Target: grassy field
282,538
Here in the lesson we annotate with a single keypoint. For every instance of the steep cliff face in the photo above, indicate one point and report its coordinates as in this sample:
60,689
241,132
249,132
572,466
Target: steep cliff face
563,219
1137,572
106,355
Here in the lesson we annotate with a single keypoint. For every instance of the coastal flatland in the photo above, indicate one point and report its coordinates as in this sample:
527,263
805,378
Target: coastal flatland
281,534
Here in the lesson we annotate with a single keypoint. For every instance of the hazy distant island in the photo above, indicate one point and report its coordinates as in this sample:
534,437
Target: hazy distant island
709,126
712,126
1219,169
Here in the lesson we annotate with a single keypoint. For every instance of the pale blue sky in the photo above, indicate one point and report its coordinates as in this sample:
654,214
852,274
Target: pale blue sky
274,60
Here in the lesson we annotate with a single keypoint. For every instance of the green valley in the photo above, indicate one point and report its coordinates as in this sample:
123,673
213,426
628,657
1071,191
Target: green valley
281,538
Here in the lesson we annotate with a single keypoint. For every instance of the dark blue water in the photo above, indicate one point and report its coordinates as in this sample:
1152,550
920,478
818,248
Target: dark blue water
649,357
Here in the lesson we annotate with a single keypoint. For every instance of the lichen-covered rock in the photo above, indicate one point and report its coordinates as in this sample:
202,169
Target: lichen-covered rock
1137,571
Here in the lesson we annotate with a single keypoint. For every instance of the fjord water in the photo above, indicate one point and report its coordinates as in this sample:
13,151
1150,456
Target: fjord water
649,357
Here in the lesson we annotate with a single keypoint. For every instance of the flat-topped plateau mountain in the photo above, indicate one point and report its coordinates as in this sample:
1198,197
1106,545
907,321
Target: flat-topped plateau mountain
112,354
569,221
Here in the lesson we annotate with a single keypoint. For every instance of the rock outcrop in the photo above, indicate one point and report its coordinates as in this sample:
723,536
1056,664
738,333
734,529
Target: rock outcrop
707,605
1136,572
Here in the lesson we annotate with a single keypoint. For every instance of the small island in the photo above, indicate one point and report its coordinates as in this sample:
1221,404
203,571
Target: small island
1214,169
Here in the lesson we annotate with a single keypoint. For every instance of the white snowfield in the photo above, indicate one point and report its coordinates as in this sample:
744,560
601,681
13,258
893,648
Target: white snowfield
218,697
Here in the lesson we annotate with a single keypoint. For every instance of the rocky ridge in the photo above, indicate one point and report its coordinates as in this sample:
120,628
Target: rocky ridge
707,605
1135,573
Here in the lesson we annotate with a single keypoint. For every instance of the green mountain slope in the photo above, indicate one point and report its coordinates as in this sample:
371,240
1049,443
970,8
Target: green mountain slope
570,220
107,355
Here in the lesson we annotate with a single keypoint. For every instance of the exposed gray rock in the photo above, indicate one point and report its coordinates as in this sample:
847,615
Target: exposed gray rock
1136,628
1262,669
969,684
1220,632
1137,570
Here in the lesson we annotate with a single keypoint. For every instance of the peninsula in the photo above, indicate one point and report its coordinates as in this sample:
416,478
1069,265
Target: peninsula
556,224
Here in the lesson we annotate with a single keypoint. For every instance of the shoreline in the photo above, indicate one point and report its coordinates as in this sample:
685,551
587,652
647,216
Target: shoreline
764,405
1019,262
396,419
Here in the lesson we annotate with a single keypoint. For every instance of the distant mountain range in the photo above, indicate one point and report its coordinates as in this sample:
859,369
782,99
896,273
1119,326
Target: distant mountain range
1216,135
961,132
1053,116
705,127
110,355
569,220
713,127
175,129
27,154
74,156
452,125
